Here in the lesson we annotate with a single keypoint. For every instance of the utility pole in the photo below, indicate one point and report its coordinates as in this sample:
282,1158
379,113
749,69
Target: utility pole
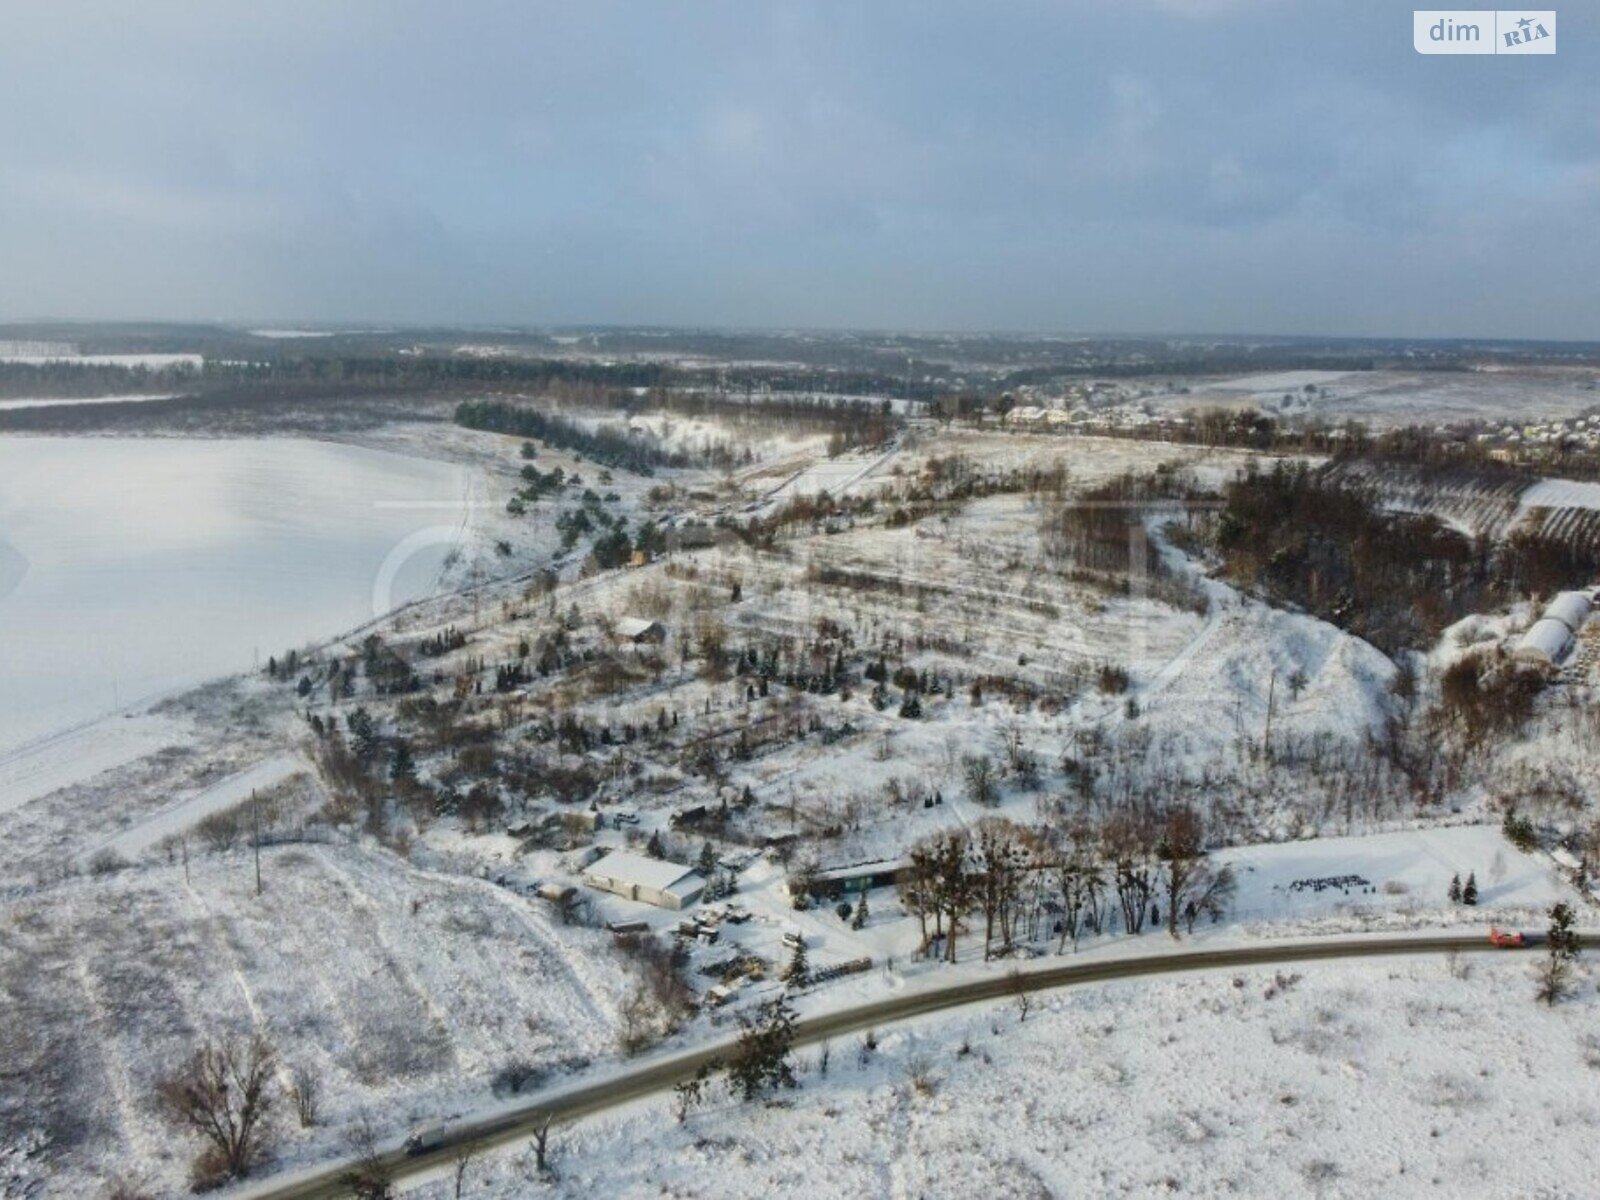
1272,688
255,830
184,842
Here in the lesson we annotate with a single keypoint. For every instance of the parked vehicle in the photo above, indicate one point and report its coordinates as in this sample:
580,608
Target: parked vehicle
426,1140
723,992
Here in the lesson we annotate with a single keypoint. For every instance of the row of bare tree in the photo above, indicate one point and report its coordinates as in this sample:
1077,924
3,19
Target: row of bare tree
1084,877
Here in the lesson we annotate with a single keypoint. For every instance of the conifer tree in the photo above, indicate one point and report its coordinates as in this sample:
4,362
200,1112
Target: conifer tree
798,970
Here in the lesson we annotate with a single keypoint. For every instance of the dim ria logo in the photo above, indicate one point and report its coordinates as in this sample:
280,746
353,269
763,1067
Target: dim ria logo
1484,31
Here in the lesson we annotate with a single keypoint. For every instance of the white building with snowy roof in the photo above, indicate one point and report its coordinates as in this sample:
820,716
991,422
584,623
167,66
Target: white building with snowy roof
647,880
1571,609
1545,643
1551,636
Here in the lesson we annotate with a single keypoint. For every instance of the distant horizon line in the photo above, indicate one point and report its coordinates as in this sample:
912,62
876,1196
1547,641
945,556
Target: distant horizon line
355,327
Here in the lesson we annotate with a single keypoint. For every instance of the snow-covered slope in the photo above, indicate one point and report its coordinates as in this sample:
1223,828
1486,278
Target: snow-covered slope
1397,1078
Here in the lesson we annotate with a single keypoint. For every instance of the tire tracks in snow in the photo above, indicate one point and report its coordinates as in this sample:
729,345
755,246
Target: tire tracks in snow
363,903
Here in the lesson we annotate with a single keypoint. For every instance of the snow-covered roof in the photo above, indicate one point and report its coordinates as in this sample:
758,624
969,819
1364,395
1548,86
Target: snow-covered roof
623,866
880,866
1547,639
632,627
1570,608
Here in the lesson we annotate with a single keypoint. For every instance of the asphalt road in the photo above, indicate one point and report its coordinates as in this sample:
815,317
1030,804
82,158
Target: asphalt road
560,1106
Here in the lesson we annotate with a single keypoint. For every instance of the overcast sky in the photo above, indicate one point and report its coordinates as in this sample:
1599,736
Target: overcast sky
1273,166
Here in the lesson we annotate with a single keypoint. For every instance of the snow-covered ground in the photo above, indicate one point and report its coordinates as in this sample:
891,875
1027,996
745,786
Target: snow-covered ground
403,989
183,815
1408,874
1562,493
63,758
1399,397
150,362
394,965
1356,1079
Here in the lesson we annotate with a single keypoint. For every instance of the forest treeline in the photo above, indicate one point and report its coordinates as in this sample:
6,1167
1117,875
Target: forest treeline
1396,579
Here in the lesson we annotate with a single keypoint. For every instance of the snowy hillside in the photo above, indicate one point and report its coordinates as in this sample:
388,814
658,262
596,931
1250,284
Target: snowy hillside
1416,1077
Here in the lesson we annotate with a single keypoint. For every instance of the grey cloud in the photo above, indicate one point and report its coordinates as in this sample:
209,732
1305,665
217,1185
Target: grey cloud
1161,164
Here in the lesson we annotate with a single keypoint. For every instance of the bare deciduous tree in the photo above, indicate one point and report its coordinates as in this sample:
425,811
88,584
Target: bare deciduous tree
464,1155
305,1089
541,1143
1194,886
983,784
1018,984
371,1178
1130,838
1080,883
1001,863
224,1094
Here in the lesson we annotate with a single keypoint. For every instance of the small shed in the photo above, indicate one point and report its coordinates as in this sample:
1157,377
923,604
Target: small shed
641,632
647,880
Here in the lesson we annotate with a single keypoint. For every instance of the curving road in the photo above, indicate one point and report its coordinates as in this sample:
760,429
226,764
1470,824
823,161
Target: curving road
516,1123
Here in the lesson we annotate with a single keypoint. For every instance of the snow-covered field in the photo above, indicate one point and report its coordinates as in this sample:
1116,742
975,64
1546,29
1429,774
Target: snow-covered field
403,989
1562,493
1399,397
149,362
1353,1080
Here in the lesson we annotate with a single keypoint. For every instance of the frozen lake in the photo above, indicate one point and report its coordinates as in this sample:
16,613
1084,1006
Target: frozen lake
129,568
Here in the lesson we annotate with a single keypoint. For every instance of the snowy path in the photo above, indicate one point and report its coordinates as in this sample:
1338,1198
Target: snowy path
222,795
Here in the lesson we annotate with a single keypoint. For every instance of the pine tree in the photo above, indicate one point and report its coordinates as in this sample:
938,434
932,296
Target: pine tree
1469,893
1455,888
760,1061
403,768
708,861
653,847
860,920
1562,939
798,970
1555,976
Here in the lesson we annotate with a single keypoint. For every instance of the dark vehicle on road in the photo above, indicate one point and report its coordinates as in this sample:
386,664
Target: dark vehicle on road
425,1139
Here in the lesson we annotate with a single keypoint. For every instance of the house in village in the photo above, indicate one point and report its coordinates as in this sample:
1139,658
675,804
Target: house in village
641,632
646,880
